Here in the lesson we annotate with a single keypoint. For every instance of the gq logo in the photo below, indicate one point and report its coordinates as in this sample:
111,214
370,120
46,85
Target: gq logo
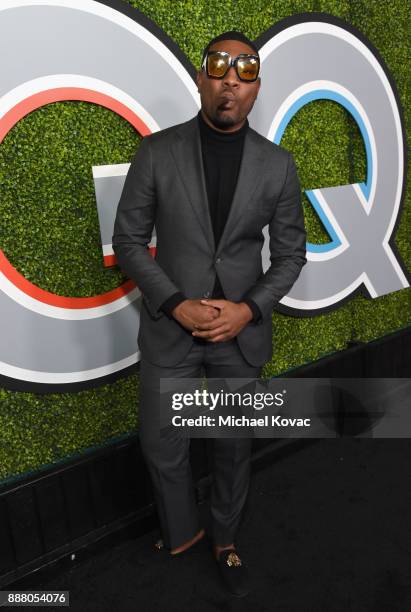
312,56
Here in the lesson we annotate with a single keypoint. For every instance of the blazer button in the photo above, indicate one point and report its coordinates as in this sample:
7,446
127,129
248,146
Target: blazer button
218,260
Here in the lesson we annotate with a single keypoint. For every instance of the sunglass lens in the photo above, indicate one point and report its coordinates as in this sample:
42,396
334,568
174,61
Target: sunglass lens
217,65
248,68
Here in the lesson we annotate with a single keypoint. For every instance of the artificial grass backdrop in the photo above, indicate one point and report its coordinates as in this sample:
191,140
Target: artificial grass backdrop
50,233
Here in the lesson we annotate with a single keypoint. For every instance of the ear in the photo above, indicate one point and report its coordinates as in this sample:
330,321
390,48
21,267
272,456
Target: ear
199,78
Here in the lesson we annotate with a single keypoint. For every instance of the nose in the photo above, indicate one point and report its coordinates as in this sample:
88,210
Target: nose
231,77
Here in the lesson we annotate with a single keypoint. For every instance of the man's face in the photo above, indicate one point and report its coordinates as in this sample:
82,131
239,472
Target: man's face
226,102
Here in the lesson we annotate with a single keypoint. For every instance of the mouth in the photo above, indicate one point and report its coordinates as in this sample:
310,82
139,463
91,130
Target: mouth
226,103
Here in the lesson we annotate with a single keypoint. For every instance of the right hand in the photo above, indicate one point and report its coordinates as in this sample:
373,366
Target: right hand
191,313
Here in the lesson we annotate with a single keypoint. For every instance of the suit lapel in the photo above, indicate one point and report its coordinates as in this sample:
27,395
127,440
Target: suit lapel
186,150
187,154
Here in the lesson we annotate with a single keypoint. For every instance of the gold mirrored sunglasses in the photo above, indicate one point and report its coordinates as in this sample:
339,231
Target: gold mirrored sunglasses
217,64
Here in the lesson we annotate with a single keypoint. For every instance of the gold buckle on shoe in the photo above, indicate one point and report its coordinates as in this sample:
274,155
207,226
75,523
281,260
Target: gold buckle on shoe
233,559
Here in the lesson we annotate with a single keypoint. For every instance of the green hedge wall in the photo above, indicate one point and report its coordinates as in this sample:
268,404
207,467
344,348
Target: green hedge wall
49,226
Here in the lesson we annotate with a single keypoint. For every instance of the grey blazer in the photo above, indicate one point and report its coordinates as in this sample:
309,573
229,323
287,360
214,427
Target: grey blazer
165,187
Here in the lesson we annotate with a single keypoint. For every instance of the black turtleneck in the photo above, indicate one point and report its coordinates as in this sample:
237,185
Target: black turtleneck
221,153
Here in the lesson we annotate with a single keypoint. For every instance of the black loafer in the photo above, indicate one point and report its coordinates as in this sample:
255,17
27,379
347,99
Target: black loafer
234,573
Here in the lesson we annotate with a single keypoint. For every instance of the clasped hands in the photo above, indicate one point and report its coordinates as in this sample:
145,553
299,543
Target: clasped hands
214,320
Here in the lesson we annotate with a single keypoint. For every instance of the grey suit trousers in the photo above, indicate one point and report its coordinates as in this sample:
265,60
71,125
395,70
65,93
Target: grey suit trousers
167,457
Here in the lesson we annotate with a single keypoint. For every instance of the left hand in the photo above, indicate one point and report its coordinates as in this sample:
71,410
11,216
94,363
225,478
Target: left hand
233,317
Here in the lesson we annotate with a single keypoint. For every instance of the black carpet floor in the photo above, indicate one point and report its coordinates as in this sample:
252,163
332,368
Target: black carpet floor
327,528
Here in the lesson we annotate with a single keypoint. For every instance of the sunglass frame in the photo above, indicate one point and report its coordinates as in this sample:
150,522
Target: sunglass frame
232,62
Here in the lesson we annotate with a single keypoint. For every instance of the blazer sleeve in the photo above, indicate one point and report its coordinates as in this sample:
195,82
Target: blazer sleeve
133,228
287,246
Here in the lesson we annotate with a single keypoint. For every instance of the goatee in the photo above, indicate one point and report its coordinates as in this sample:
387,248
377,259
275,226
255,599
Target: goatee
223,122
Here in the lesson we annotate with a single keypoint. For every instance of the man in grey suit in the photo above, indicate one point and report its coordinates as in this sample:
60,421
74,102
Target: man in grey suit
209,186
